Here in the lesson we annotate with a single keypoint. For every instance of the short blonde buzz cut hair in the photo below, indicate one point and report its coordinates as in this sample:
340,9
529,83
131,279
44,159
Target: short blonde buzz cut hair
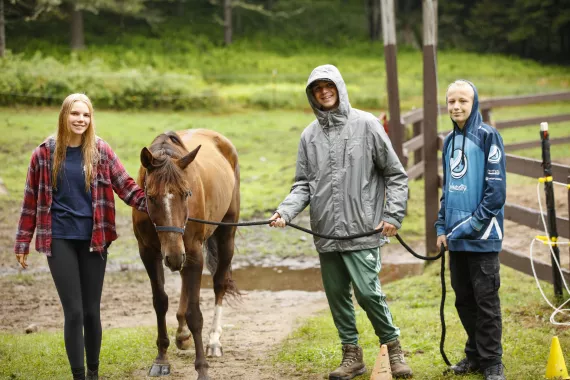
461,83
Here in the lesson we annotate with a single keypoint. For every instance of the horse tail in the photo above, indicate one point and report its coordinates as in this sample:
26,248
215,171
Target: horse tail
230,287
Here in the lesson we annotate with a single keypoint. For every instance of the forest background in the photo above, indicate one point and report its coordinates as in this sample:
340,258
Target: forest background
226,54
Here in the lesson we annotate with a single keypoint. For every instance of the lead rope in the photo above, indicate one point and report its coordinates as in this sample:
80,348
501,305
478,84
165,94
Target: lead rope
355,236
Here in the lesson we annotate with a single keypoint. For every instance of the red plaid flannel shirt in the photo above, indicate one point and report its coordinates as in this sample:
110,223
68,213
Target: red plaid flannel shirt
109,175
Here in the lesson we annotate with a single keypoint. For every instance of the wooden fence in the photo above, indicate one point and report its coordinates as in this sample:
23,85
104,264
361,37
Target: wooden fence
417,160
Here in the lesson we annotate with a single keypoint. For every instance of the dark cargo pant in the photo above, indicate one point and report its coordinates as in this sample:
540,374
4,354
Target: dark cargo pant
360,268
476,281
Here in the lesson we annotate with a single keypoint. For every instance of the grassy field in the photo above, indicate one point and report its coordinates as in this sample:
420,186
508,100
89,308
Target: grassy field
124,351
414,302
266,138
242,76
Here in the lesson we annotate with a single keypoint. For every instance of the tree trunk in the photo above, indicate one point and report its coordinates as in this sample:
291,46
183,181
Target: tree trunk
77,36
374,19
228,22
2,30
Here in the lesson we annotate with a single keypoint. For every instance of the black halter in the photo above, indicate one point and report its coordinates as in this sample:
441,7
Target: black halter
179,230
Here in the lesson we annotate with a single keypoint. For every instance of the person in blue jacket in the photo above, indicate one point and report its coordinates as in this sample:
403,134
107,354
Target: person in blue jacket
470,226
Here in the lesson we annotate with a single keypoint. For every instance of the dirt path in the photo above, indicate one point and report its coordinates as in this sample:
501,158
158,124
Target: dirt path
252,327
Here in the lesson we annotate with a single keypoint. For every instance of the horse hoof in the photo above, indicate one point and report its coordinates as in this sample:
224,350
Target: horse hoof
214,351
183,344
159,370
203,377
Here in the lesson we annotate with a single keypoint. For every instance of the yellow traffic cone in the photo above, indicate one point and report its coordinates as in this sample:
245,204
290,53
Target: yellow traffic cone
556,367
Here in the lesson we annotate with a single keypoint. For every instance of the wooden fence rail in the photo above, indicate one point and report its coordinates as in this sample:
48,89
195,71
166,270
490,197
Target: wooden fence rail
413,148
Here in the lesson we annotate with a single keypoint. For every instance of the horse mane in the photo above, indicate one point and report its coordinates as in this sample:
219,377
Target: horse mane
166,148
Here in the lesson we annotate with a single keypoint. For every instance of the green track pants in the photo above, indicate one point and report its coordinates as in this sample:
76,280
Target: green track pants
360,268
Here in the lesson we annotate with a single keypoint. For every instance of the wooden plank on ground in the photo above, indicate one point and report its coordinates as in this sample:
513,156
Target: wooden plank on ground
382,370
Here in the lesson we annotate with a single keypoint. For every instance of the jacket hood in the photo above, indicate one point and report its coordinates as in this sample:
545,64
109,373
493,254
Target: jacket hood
338,115
474,120
475,117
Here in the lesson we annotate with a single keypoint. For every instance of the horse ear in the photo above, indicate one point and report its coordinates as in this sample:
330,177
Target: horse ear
186,160
146,158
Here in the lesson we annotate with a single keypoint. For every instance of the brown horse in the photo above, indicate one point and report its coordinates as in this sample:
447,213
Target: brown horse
180,183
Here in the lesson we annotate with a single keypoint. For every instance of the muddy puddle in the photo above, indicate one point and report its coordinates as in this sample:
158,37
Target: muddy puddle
264,277
279,278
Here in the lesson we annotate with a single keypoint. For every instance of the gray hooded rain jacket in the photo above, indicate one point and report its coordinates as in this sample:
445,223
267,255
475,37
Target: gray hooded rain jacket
347,172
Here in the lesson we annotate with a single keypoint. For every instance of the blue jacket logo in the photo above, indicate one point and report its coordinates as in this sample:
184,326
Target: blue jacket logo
458,165
494,154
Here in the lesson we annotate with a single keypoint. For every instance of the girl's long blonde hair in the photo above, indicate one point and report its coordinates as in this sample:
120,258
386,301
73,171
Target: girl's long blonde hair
88,143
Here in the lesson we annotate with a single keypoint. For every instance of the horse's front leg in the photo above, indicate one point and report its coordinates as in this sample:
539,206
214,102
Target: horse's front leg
191,277
153,264
183,333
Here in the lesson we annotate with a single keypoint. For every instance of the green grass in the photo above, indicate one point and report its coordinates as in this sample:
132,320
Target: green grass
243,75
414,302
42,355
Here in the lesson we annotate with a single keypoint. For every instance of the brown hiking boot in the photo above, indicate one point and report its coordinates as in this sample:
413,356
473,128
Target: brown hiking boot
397,363
352,364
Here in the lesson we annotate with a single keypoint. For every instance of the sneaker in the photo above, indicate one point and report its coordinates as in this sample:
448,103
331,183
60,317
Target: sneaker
352,364
494,372
464,367
397,363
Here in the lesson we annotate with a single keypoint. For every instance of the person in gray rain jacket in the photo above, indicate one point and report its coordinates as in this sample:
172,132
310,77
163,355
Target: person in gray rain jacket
349,174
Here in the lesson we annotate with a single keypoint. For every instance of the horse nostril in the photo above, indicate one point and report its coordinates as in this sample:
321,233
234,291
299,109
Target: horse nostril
166,261
183,258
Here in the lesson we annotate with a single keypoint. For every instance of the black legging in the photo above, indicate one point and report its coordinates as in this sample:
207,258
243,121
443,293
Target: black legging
78,275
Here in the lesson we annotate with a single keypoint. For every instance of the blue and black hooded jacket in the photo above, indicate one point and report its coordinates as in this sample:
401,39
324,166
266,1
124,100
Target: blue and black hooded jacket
474,186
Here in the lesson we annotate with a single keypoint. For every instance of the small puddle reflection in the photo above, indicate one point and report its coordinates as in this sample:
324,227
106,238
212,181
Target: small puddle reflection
285,278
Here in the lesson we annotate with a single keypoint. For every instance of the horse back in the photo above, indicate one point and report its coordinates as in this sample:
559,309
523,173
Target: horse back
216,167
213,144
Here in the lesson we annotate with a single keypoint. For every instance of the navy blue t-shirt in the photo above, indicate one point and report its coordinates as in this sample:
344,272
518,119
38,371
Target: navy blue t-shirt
71,210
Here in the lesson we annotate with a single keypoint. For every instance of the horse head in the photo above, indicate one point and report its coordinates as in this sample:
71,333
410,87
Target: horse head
167,192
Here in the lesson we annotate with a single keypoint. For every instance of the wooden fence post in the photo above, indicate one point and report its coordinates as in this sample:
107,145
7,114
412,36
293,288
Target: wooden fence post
430,150
486,113
396,131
